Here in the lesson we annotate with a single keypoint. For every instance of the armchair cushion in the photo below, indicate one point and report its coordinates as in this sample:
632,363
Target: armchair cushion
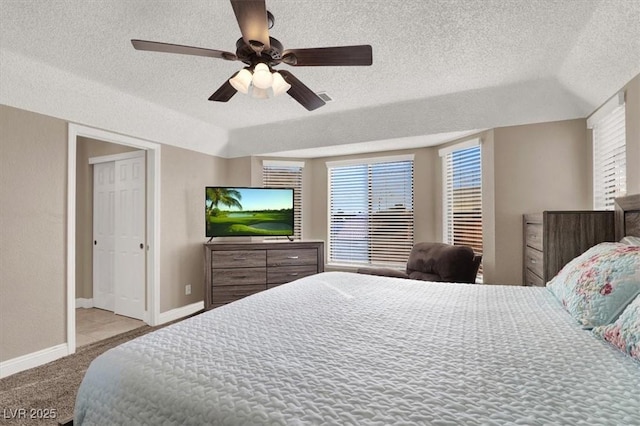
447,262
385,272
435,262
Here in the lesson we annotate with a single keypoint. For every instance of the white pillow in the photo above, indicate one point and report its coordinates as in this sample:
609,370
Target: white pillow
631,240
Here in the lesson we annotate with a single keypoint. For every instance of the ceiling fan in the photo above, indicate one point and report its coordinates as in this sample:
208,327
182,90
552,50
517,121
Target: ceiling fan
261,53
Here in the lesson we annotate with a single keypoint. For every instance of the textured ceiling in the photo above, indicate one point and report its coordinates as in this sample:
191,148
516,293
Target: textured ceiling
439,67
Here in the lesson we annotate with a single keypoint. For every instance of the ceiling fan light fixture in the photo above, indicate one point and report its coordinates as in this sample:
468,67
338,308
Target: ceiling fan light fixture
241,81
279,86
262,77
258,93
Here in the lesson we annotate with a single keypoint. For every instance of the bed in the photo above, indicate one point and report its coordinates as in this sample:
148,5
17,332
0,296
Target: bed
342,348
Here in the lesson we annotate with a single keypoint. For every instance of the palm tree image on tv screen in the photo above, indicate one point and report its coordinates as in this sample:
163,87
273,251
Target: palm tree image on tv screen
249,211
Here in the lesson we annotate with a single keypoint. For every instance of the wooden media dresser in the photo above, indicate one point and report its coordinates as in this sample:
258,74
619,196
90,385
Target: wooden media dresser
235,270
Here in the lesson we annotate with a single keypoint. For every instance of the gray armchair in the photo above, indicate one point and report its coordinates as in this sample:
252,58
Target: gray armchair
435,262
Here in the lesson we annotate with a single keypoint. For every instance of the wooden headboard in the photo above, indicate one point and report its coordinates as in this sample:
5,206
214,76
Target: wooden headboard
627,213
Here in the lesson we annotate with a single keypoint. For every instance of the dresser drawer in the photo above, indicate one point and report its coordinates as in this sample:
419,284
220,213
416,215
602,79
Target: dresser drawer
533,260
282,257
284,274
533,235
532,279
238,276
229,293
235,270
238,258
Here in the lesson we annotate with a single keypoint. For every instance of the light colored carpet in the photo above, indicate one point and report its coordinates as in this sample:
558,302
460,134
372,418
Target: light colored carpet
53,386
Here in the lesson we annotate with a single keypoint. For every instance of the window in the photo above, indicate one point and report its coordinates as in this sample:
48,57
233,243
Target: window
609,153
286,174
462,195
371,211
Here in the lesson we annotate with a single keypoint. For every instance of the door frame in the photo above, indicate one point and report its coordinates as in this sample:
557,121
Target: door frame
153,176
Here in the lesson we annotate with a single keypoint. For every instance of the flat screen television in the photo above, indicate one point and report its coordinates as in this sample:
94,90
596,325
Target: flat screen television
241,212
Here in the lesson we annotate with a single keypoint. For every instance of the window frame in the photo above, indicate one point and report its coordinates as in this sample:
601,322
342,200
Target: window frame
446,232
368,162
611,114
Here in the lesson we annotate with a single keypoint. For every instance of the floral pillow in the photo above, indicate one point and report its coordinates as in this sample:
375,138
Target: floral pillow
597,285
625,332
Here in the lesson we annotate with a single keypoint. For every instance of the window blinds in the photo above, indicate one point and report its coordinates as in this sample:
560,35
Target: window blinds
609,159
284,174
371,213
462,198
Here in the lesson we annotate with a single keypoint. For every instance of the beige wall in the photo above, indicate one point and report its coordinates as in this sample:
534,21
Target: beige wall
536,167
33,171
317,187
85,149
33,167
240,172
184,176
525,169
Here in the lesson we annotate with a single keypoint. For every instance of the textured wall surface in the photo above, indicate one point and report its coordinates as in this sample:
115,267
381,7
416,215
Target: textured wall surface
525,169
536,167
33,170
33,167
184,176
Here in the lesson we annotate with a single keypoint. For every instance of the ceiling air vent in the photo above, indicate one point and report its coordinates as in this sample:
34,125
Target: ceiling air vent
325,96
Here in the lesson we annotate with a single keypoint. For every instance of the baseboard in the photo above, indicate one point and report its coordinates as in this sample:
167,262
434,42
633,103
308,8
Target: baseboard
84,303
178,313
34,359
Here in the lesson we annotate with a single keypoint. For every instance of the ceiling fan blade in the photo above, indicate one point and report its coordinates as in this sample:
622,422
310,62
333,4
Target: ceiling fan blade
329,56
156,46
252,19
224,92
301,93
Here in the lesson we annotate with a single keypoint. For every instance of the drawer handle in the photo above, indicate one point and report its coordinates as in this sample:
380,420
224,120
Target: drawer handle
532,261
293,274
239,258
292,257
242,276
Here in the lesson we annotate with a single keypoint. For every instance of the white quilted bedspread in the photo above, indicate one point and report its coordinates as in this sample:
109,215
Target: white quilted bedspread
349,349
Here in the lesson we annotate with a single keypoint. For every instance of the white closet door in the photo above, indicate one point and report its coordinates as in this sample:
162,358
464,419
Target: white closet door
103,235
130,237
